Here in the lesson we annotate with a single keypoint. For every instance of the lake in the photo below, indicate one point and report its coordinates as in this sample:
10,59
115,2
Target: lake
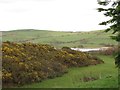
86,49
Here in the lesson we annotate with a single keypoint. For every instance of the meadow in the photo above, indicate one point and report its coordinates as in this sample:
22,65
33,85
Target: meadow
105,76
60,39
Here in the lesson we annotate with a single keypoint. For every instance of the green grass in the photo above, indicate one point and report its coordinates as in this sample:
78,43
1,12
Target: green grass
106,73
60,39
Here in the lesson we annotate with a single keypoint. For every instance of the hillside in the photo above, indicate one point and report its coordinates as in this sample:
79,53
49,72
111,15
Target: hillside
90,78
41,55
60,39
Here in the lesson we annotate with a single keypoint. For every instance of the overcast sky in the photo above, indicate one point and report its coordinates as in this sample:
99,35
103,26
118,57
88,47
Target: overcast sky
59,15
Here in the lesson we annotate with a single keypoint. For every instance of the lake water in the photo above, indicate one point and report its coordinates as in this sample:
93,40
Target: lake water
86,49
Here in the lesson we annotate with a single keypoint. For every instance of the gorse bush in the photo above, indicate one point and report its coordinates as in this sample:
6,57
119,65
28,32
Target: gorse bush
25,63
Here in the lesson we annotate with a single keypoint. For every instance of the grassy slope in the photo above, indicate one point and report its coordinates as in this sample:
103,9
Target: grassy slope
106,72
60,39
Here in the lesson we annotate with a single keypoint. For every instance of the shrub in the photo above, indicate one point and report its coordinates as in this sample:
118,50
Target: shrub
25,63
109,51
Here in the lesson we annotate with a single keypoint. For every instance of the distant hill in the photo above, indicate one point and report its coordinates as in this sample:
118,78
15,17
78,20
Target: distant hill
60,39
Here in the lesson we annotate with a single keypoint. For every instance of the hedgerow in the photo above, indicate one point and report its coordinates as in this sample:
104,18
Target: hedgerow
25,63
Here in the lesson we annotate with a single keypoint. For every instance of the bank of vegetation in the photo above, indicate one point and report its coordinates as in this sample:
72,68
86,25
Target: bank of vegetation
25,63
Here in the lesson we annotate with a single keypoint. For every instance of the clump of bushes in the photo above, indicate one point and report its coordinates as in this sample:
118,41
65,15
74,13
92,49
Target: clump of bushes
109,51
25,63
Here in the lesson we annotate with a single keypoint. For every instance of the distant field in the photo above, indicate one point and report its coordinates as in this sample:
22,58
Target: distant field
106,77
60,39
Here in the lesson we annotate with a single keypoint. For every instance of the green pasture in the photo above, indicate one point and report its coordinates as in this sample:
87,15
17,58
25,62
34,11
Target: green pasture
60,39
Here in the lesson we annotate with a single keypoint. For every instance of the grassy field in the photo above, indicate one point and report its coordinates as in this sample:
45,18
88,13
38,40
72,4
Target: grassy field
99,76
104,75
59,39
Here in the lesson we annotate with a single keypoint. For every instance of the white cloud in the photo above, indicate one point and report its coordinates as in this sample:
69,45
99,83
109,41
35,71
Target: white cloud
67,15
